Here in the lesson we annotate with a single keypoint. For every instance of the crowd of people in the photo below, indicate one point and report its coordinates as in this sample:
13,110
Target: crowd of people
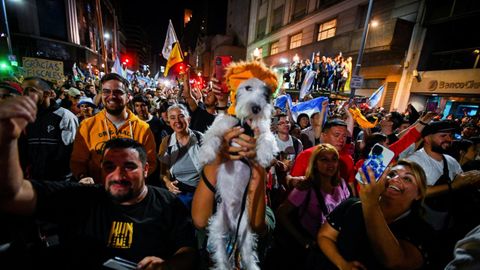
331,74
102,169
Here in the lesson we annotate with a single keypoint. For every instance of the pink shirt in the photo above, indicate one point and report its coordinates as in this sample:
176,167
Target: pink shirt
313,217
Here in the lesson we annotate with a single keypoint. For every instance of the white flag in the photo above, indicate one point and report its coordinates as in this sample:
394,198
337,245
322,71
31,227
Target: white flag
169,40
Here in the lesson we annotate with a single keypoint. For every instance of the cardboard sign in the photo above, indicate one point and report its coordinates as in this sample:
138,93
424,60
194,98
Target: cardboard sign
45,69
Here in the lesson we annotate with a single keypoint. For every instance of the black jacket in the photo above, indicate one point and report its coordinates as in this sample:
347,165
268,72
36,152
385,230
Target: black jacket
47,144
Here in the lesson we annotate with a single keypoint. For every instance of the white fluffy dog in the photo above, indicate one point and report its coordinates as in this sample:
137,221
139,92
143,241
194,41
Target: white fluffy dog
224,238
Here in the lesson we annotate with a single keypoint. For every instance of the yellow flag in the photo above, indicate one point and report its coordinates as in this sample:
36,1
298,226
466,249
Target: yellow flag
362,120
175,57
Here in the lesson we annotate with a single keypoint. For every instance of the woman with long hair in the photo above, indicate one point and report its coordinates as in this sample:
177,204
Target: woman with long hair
306,209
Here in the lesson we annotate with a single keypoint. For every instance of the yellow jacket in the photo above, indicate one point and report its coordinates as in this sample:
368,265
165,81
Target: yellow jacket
95,131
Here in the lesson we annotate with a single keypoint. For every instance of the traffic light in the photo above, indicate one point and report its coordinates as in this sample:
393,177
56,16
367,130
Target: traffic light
126,60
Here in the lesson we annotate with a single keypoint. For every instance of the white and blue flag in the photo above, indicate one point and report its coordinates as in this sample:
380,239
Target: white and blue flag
281,101
117,67
309,107
376,97
307,84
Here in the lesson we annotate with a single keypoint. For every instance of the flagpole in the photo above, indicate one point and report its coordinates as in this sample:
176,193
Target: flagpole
362,45
102,41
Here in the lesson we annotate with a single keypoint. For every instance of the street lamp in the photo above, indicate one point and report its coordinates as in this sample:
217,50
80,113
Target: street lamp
366,27
256,54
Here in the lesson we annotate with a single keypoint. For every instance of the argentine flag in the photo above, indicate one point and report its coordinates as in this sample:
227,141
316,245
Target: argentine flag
307,84
309,107
375,97
281,101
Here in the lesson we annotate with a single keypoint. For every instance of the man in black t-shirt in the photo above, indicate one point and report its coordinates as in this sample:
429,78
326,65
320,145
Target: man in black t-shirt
124,218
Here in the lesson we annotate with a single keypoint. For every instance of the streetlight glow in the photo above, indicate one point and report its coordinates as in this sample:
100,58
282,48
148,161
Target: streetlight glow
106,36
296,58
256,53
374,23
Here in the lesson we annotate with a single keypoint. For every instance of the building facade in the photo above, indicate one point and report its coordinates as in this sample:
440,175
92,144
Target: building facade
282,29
84,32
444,74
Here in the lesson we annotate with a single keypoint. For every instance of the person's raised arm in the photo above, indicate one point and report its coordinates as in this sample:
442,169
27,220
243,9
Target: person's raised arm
187,93
222,97
350,122
16,194
204,197
390,251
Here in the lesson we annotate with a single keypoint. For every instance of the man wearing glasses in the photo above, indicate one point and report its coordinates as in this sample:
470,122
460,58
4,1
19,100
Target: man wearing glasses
114,121
47,143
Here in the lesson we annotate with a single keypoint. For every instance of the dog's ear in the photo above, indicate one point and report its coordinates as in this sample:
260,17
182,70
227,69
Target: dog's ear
266,93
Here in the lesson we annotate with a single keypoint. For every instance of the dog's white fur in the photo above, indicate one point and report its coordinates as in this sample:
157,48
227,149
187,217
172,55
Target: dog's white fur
233,176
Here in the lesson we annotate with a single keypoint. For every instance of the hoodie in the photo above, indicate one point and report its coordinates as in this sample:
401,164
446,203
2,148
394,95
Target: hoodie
95,131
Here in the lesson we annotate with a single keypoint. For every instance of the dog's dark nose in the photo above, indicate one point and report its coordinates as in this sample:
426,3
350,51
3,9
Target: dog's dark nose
256,109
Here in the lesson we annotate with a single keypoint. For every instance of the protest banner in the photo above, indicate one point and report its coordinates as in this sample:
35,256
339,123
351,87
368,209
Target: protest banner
46,69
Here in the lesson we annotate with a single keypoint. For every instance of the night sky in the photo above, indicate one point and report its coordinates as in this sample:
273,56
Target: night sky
153,16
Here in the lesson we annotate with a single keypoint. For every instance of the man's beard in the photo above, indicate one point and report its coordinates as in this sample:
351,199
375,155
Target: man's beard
120,198
116,111
439,149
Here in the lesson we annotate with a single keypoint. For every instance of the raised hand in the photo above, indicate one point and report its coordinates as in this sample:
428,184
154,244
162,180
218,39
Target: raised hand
15,114
370,191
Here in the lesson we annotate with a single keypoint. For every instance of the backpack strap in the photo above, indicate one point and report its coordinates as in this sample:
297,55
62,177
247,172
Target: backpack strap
295,145
198,135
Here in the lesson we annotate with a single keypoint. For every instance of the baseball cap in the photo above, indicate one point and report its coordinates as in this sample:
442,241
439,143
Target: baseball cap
86,100
439,126
74,92
334,123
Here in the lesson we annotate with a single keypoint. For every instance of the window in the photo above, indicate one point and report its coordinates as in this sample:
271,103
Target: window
299,8
277,20
327,30
261,26
296,41
274,48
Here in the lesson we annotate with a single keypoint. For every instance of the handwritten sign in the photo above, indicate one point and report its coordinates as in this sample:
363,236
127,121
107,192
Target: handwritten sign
45,69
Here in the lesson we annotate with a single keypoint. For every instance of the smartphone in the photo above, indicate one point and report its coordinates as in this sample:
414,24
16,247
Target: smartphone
220,63
118,263
378,160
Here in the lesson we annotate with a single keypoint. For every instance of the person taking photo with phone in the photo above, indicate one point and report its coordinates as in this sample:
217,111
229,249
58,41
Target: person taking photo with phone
381,230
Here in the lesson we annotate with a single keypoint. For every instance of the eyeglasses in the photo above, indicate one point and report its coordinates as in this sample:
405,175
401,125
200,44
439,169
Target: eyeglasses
284,123
115,92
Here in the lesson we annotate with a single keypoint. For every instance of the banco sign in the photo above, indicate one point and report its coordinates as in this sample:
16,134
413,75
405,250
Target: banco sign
434,85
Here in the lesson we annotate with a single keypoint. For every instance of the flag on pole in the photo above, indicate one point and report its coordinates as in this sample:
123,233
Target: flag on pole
74,71
117,67
307,84
375,97
175,57
309,107
170,40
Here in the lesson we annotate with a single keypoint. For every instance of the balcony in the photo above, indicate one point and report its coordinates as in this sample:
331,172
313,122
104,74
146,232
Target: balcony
386,45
